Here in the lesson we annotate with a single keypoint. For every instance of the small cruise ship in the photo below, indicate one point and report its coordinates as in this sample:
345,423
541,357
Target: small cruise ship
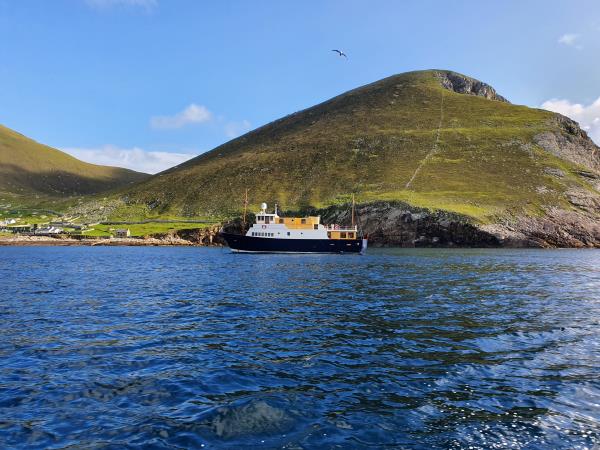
274,234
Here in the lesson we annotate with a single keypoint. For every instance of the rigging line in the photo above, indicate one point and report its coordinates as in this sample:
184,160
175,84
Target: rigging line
434,148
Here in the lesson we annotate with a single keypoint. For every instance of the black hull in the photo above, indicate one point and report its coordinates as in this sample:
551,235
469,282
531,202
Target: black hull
252,244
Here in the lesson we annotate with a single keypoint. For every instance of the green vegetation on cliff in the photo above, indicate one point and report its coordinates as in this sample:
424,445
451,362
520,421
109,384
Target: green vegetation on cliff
433,139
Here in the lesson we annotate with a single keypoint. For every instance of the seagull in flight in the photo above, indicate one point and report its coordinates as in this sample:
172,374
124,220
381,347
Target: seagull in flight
341,53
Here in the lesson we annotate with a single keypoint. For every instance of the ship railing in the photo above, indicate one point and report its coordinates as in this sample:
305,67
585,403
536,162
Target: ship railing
335,227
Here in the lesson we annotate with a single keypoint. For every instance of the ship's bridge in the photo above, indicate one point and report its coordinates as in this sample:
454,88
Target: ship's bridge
307,223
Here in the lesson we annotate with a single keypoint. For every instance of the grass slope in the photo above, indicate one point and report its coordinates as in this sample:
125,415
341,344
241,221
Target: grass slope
34,173
402,138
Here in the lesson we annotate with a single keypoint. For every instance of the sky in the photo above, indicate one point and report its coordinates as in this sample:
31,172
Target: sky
147,84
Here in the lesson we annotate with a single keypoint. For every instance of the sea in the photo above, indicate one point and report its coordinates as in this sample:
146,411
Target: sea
177,347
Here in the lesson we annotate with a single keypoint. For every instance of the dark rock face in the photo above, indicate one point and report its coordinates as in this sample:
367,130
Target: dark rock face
397,224
466,85
558,228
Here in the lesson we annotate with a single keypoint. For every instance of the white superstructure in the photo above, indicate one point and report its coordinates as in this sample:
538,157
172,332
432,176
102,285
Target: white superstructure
270,225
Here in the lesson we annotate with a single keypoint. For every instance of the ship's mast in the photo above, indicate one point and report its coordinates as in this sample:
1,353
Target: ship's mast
245,208
352,210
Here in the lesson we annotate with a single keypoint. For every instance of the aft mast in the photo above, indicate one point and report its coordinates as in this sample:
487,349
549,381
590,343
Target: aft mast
352,210
245,209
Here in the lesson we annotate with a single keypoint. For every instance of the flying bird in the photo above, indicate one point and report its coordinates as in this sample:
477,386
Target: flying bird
341,53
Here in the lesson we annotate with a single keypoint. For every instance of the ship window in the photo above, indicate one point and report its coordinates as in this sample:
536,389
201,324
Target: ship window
329,234
288,233
350,235
342,235
261,218
280,220
316,227
253,233
303,221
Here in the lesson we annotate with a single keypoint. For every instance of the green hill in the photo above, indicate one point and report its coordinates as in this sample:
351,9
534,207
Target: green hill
434,140
29,171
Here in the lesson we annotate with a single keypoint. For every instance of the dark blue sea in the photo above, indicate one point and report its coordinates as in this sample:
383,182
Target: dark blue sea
199,348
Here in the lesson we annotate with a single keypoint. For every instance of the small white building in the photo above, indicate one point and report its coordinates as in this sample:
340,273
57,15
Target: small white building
122,233
49,230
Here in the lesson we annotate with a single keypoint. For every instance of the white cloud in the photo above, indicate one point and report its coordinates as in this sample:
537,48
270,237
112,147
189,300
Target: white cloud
235,129
571,40
588,116
102,4
131,158
193,114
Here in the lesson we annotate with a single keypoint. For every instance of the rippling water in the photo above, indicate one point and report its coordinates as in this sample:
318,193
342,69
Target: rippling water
195,347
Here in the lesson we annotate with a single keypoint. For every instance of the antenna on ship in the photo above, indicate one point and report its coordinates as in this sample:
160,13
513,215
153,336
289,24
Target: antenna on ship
245,208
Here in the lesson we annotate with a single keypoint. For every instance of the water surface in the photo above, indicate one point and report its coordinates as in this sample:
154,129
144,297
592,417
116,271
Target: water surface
200,348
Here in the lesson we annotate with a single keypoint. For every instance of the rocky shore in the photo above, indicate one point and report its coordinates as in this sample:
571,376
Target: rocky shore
204,237
397,224
59,241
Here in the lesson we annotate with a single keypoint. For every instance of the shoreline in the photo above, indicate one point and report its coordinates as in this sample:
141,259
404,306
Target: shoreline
23,241
46,241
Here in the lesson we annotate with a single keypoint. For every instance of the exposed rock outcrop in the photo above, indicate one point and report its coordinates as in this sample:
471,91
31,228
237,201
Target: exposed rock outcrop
397,224
207,236
467,85
570,143
558,228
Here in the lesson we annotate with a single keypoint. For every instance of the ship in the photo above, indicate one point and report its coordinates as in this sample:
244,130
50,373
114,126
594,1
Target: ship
272,233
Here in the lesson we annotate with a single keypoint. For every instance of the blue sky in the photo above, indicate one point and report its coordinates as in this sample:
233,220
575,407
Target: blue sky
148,83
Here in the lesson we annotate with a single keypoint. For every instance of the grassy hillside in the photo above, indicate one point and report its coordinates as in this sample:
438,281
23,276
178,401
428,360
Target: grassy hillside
34,173
409,137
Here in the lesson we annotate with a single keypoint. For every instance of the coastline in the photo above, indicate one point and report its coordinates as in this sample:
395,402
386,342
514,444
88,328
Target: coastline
21,241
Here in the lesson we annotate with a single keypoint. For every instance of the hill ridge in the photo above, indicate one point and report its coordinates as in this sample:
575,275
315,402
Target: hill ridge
29,169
